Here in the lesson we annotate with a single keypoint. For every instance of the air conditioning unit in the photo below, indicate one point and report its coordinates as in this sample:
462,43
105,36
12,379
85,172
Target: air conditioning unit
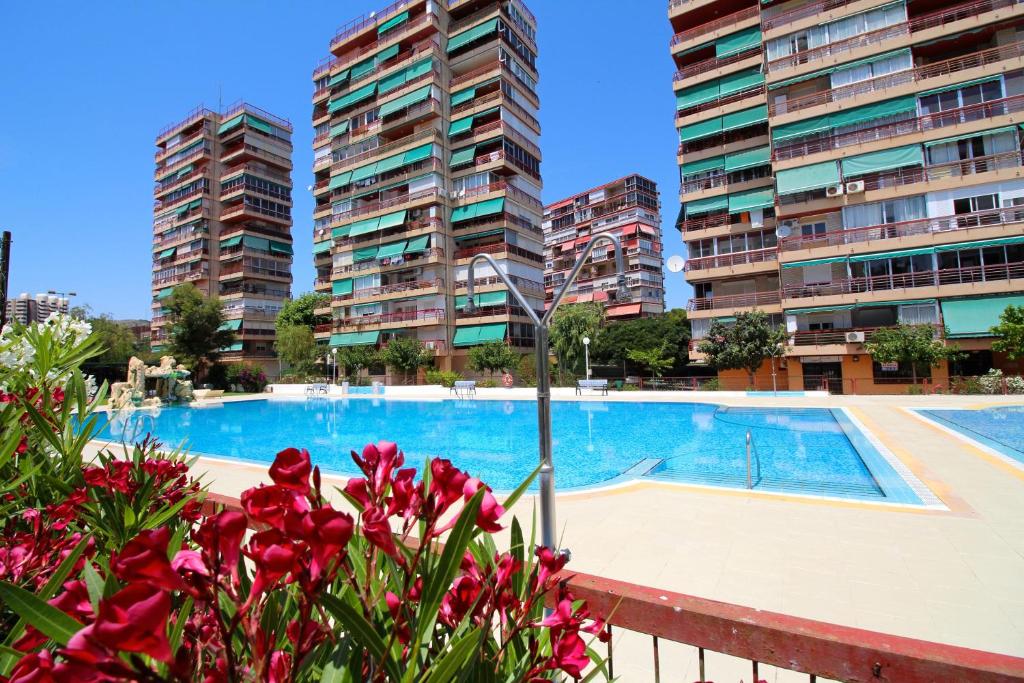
856,187
854,337
834,191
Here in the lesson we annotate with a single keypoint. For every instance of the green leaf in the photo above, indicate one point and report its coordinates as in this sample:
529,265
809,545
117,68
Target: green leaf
93,584
179,624
363,631
455,658
520,490
49,620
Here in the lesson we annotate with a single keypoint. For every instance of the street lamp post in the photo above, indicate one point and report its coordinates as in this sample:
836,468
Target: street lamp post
63,295
334,362
586,354
540,326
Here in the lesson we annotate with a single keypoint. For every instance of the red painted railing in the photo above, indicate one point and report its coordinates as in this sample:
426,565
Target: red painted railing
771,17
735,301
408,261
498,248
736,259
240,106
716,25
713,63
389,289
430,134
838,336
363,22
755,91
193,116
346,216
436,314
1002,272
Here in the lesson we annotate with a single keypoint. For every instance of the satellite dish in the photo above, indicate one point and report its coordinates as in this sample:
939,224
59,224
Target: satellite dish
676,264
784,230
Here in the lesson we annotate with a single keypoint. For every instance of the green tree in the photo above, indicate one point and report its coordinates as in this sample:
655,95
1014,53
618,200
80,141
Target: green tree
569,326
914,345
744,345
301,311
356,358
406,355
196,332
296,346
1010,331
616,339
117,341
656,360
492,356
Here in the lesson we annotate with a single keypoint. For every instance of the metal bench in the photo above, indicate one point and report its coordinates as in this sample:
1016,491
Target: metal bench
595,384
464,388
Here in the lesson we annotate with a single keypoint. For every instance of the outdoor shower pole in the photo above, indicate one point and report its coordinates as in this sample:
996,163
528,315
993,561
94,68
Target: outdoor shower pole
540,325
5,271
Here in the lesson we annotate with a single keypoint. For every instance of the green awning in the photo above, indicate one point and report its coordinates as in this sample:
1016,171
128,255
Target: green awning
355,338
957,86
745,117
815,262
478,210
701,130
702,166
478,235
463,96
364,227
386,54
903,253
697,94
341,287
364,172
883,160
253,242
339,129
164,293
981,244
840,67
471,335
796,129
233,325
338,78
231,242
321,247
463,156
707,205
340,180
167,253
354,97
901,302
364,253
258,124
185,170
229,124
393,22
460,126
804,178
393,81
741,80
418,154
818,309
392,220
868,112
392,249
748,158
976,317
280,248
417,244
237,346
968,136
484,299
399,103
364,67
340,233
738,42
752,199
466,37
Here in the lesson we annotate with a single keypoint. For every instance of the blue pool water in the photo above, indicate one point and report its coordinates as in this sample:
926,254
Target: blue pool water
1000,428
814,451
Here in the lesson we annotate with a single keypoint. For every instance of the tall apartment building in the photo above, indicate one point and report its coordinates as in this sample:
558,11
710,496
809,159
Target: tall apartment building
847,165
222,221
629,208
26,309
426,153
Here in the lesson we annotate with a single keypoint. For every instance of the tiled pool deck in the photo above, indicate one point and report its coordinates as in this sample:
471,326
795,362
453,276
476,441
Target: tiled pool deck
953,575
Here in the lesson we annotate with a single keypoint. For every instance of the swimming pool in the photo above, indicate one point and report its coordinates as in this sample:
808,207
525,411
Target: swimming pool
1001,429
809,451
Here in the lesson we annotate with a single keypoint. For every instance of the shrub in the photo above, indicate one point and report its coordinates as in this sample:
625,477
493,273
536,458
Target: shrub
488,383
445,378
250,377
993,382
217,376
527,370
712,384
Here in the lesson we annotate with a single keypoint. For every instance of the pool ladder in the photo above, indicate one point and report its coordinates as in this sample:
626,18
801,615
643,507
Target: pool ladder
752,460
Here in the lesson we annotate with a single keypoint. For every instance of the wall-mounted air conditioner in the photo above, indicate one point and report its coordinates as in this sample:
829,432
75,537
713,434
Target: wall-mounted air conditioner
854,337
856,187
834,191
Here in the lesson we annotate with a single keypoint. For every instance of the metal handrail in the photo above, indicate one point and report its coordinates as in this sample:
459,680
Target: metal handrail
1001,272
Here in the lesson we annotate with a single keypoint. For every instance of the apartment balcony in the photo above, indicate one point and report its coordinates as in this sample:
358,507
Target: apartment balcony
439,347
728,23
248,151
511,191
195,115
179,259
259,170
428,196
403,118
235,270
360,24
428,257
836,341
497,99
757,91
676,7
873,39
949,122
721,181
420,318
525,286
200,152
497,157
165,188
181,144
739,263
180,236
470,227
246,211
420,168
497,313
422,137
498,248
179,278
944,282
710,68
250,313
505,130
768,301
397,290
240,228
976,60
415,228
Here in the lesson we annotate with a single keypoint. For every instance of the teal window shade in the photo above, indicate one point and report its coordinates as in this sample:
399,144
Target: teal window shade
968,136
339,129
468,36
364,172
231,242
364,227
417,244
745,117
484,299
390,163
354,97
253,242
463,156
471,335
702,166
364,253
321,247
415,97
975,317
186,170
748,159
981,244
881,256
237,346
164,293
392,249
796,129
281,248
233,325
878,110
698,94
364,67
167,253
710,91
738,42
478,210
700,130
229,124
386,54
478,235
818,309
883,160
460,126
741,80
258,124
419,69
463,96
751,199
813,177
707,205
341,287
957,86
340,180
394,21
338,78
355,338
418,154
815,262
340,233
392,81
392,220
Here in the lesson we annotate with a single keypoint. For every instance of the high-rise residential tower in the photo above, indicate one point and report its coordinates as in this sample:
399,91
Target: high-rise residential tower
222,221
426,153
629,208
849,165
27,310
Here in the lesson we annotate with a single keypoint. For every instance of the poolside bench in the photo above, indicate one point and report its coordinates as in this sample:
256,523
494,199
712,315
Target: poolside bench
595,384
315,389
464,388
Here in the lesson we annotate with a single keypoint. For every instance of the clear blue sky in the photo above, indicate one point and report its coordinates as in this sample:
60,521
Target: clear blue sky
87,86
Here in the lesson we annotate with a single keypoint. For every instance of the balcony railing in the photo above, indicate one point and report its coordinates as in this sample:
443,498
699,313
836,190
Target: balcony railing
346,216
716,25
920,124
933,70
936,172
192,117
436,314
714,63
389,233
838,336
924,226
430,134
390,289
408,261
525,286
259,152
190,276
773,17
506,102
737,259
161,205
509,133
258,170
502,185
1002,272
751,300
162,170
755,91
500,247
360,23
